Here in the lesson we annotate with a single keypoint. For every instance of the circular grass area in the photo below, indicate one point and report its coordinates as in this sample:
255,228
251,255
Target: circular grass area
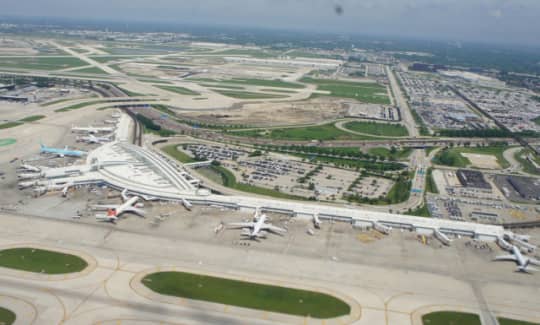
41,261
247,294
450,318
7,141
7,317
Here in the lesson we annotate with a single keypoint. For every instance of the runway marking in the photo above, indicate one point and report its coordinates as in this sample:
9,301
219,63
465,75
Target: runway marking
26,302
64,312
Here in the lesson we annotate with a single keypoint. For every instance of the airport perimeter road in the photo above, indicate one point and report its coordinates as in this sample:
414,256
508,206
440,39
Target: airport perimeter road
404,108
515,166
392,281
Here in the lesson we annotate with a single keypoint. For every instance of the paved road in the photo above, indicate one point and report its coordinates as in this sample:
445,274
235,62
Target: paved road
404,108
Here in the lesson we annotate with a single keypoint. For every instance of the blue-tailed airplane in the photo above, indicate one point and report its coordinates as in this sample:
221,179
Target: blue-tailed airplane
61,152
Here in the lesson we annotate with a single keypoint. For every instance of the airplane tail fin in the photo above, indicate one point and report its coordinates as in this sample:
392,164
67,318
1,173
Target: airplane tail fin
124,195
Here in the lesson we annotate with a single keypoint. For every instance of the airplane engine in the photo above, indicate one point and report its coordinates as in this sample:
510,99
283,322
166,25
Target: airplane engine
139,205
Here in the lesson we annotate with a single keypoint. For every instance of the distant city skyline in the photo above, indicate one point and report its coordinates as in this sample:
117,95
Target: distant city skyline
492,21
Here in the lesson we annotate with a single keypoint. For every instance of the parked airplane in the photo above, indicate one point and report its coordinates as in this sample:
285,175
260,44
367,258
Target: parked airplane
130,205
188,205
316,221
258,228
93,139
92,129
61,152
522,262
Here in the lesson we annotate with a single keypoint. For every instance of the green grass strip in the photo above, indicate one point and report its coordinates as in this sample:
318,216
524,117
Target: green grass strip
7,317
41,261
450,318
247,294
179,90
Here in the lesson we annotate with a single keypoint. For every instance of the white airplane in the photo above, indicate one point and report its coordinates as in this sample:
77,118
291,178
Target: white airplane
522,262
114,122
130,205
93,139
92,129
316,221
258,228
188,205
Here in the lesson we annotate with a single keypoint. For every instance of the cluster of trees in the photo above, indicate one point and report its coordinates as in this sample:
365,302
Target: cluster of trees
322,151
399,193
486,133
310,174
150,125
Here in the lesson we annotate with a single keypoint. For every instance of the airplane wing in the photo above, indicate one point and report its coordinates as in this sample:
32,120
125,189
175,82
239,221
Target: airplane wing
505,258
240,225
104,206
534,261
273,228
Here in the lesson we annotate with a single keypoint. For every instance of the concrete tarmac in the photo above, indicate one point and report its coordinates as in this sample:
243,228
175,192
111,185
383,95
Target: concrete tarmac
385,293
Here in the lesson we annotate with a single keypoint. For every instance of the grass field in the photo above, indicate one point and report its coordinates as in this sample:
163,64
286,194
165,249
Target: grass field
7,141
452,156
246,94
246,294
450,318
9,125
421,211
108,58
264,83
41,63
77,106
323,132
248,52
284,91
7,317
91,70
528,167
389,154
179,90
177,154
506,321
362,91
32,118
222,86
431,186
384,129
41,261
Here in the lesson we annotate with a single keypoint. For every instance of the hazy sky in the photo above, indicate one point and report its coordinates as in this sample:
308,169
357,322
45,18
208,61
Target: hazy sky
512,21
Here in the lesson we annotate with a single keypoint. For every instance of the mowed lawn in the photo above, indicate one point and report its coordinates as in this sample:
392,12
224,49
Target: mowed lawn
452,156
385,129
450,318
246,294
181,156
41,63
325,132
41,261
179,90
7,317
506,321
246,94
367,92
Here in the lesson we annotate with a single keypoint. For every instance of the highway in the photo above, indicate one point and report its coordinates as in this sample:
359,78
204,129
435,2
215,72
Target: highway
404,108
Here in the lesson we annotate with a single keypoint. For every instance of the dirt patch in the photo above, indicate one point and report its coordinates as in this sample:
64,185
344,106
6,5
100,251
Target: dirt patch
280,113
482,161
